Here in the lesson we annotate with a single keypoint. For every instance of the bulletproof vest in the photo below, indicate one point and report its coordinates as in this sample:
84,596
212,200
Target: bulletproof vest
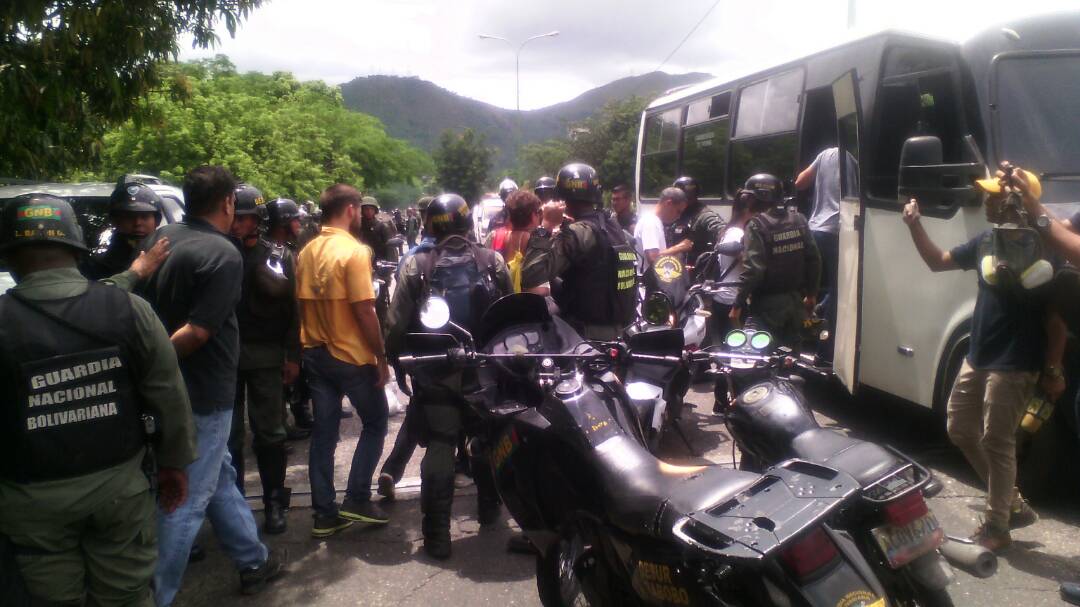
462,275
267,296
785,257
74,409
677,231
113,260
701,244
602,288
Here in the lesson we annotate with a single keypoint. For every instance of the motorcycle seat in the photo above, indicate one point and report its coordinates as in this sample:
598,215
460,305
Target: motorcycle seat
645,495
866,462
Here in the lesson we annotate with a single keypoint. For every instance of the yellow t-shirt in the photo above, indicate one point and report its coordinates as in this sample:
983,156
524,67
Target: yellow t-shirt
333,272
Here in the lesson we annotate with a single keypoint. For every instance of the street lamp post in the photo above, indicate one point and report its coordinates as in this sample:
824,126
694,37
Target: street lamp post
517,58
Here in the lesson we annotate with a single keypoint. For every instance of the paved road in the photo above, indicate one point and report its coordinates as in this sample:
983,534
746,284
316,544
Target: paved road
386,566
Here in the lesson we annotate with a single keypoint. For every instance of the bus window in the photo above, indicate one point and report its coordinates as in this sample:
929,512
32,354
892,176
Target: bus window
912,103
775,154
660,158
705,155
771,106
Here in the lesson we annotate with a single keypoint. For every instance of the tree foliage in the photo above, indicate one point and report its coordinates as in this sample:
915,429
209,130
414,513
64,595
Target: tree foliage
70,68
607,141
286,137
462,163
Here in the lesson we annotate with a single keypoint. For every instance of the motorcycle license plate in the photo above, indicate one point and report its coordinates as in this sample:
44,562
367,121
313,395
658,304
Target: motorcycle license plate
906,543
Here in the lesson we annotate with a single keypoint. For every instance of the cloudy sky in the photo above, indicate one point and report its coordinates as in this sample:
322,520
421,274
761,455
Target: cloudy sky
599,40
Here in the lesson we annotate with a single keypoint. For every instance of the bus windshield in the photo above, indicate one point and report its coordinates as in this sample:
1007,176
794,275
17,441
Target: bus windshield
1038,100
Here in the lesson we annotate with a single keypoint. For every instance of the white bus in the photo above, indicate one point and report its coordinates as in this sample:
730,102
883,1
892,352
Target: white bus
1009,93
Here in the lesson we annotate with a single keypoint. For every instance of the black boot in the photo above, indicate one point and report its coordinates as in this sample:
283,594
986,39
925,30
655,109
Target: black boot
301,414
272,461
276,505
435,504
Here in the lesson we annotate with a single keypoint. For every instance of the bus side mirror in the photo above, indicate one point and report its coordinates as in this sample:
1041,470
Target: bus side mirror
925,176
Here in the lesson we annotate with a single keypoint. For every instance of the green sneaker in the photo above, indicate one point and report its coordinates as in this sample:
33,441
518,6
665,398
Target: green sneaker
363,512
325,526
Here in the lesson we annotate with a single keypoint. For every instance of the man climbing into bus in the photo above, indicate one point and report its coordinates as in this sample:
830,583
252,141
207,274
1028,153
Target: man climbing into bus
782,266
1013,348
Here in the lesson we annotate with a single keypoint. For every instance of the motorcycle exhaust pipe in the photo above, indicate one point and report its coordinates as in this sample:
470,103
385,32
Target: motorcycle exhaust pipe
970,557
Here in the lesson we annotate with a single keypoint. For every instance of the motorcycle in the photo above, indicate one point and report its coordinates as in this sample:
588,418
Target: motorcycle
768,419
612,524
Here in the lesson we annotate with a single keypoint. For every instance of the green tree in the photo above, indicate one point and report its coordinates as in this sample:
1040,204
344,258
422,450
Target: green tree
607,141
286,137
70,68
543,158
462,163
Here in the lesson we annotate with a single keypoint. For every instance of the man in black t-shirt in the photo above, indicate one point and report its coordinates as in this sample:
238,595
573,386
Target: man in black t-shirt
195,293
1014,346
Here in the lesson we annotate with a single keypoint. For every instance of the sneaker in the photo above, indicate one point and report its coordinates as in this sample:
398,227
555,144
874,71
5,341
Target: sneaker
325,526
255,579
1022,515
386,486
992,538
363,512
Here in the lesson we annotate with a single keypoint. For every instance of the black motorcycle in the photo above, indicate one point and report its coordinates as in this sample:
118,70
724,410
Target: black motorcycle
769,420
612,524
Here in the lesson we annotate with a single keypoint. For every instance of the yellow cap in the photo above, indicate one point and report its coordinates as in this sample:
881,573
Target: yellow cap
993,185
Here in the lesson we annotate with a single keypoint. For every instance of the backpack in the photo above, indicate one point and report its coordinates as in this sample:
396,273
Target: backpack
464,278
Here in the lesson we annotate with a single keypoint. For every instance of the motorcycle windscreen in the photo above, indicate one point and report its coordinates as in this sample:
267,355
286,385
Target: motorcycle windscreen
846,331
510,310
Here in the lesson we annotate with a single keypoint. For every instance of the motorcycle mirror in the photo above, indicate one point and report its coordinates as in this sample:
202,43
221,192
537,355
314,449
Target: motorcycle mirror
435,313
657,309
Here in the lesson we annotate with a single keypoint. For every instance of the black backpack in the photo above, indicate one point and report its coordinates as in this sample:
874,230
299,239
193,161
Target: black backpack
465,278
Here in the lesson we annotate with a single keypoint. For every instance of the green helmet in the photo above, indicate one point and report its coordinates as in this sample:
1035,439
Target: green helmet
422,204
369,201
39,218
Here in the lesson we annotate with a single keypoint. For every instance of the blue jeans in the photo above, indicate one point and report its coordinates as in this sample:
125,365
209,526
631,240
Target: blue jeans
330,379
212,494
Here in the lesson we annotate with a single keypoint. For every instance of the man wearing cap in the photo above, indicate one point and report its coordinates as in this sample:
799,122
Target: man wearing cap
269,354
1011,343
134,212
81,365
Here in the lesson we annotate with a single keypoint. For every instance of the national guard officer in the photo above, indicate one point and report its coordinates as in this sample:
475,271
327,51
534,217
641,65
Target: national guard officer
82,364
469,277
269,354
135,212
374,232
285,229
781,263
592,258
696,230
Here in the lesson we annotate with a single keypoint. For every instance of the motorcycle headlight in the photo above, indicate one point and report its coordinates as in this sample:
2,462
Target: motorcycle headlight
735,339
760,340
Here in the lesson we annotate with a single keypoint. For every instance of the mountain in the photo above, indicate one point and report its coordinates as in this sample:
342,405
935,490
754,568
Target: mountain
419,111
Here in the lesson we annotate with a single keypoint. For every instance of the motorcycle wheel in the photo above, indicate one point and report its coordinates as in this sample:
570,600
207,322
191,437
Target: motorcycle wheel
557,580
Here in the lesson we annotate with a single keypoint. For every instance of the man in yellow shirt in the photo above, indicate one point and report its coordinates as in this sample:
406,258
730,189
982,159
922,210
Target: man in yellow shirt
343,356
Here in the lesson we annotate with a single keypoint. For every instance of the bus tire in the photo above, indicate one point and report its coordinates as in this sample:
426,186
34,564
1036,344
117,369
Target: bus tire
951,361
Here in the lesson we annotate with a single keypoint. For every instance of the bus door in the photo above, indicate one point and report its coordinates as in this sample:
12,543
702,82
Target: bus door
846,331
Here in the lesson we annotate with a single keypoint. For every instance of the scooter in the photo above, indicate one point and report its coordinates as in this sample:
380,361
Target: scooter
612,524
769,420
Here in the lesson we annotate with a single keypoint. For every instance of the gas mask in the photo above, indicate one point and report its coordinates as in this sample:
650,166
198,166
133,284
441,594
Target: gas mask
1013,257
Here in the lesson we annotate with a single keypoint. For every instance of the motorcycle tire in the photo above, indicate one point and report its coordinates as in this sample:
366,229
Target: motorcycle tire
557,583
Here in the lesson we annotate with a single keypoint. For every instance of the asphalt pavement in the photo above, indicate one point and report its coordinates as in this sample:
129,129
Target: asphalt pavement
386,565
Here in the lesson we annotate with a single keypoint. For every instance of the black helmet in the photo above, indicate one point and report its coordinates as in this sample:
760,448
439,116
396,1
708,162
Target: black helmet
249,201
135,197
449,214
506,188
39,218
688,186
766,188
578,182
282,210
544,188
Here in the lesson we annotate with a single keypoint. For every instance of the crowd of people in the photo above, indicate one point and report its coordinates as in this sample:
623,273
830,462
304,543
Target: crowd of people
210,322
